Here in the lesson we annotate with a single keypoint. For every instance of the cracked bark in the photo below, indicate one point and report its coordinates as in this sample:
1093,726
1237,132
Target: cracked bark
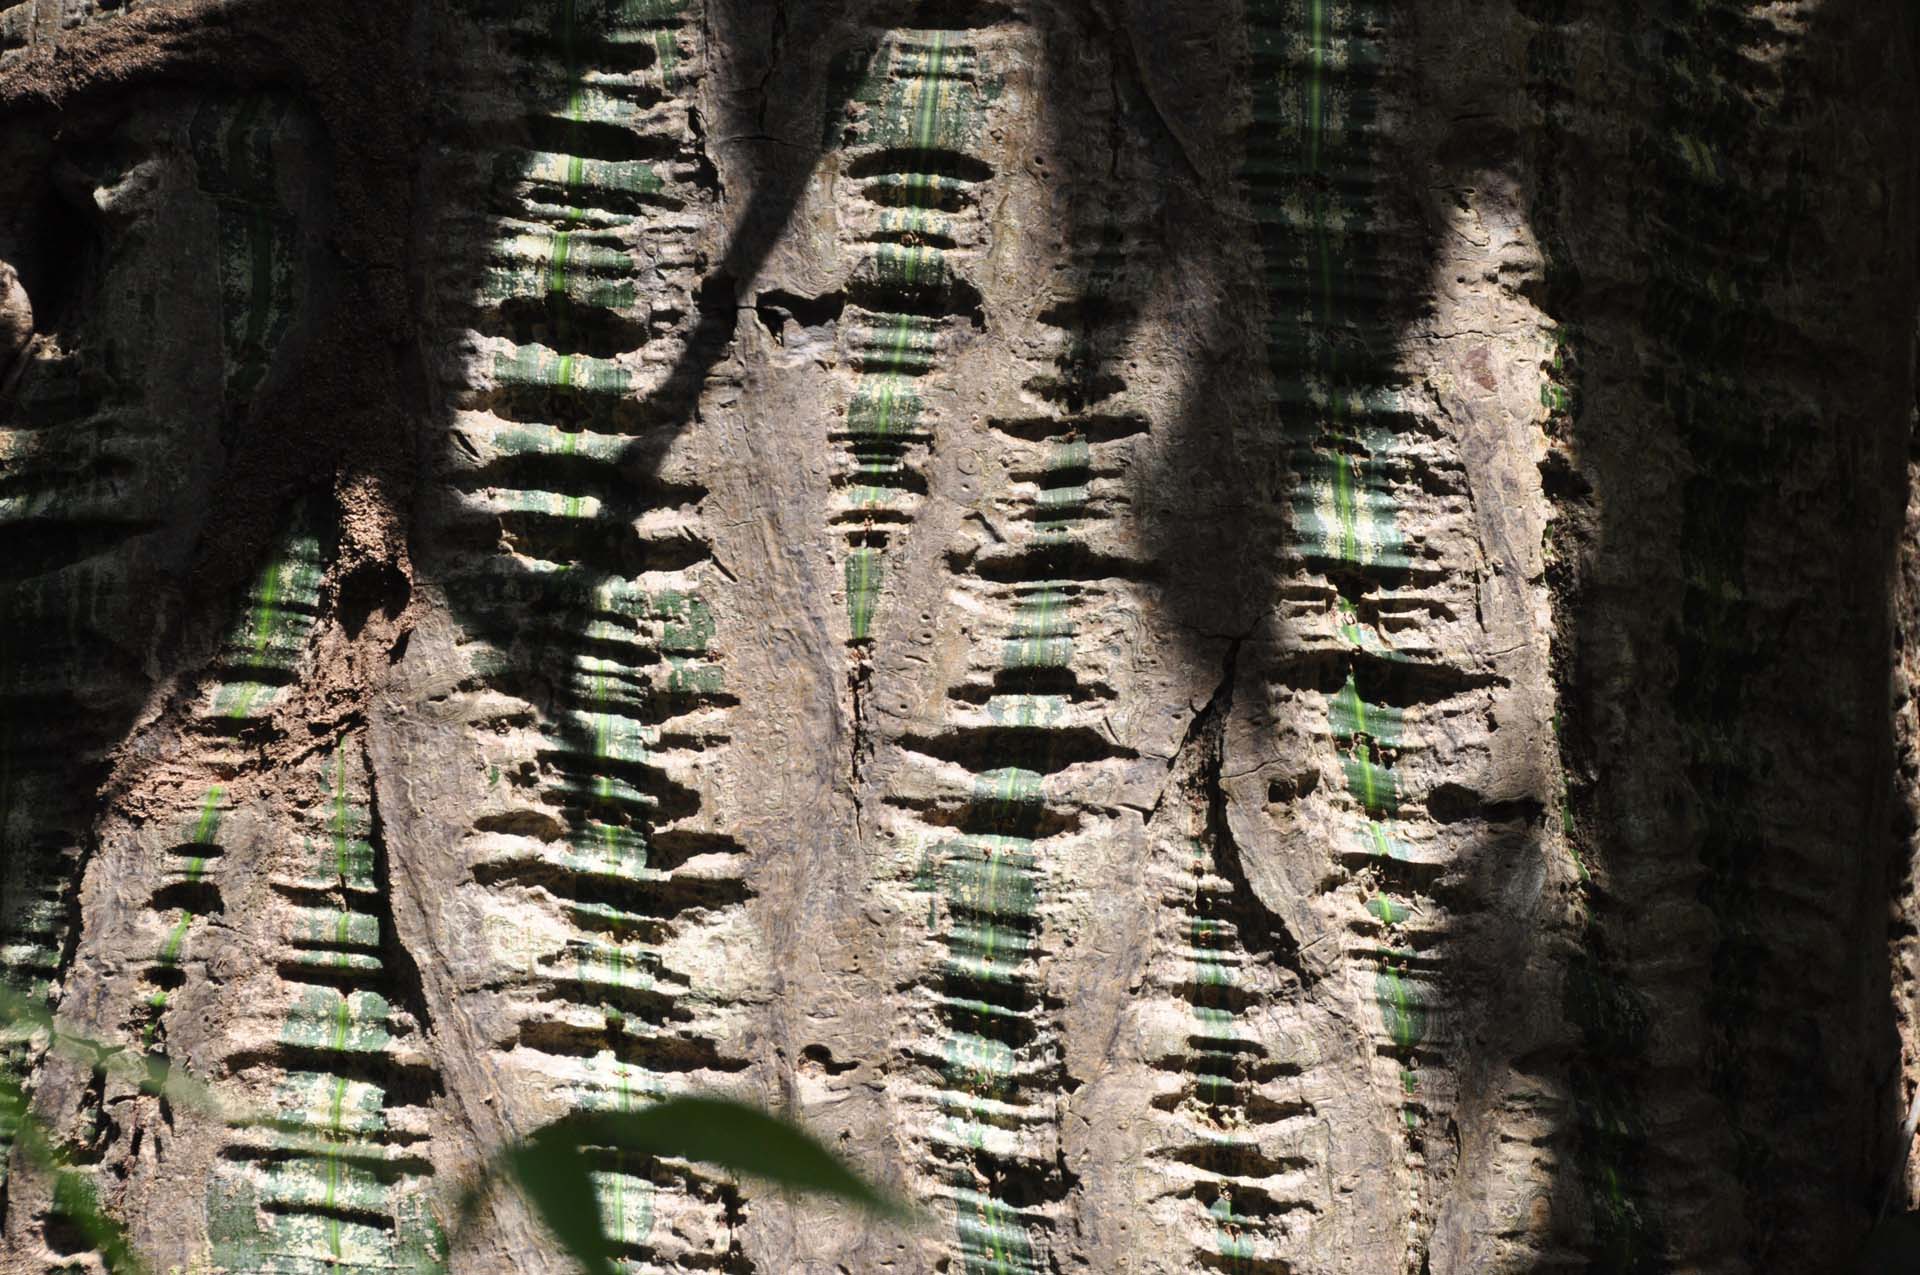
1212,637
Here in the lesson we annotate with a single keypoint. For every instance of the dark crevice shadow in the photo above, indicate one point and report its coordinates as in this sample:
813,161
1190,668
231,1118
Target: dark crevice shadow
1269,509
1303,432
780,170
1728,966
615,664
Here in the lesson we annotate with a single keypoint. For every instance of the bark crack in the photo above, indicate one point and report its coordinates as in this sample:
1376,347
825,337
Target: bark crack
1263,930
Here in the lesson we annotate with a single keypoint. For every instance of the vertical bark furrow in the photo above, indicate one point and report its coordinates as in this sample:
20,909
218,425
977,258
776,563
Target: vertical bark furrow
308,1176
993,805
1610,1133
912,171
987,792
996,785
115,424
1237,1137
1719,219
1730,397
1730,174
265,651
329,1174
575,555
1382,669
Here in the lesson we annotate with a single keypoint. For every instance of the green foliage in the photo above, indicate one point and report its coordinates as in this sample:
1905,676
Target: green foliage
552,1168
74,1197
22,1017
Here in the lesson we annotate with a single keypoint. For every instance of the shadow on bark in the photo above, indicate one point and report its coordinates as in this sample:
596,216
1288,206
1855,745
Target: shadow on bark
1299,520
1723,640
1710,429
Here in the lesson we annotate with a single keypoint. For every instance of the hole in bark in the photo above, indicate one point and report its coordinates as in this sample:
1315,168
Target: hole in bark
1450,803
775,309
373,584
53,269
822,1057
198,897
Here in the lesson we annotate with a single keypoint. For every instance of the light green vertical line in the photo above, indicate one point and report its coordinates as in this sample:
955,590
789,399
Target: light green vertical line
176,938
266,615
209,820
931,99
339,819
1344,504
927,117
863,584
266,612
204,829
334,1127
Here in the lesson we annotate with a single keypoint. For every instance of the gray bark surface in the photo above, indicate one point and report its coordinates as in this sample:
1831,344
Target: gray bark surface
1267,636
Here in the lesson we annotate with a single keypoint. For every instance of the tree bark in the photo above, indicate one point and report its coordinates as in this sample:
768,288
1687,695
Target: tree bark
1263,635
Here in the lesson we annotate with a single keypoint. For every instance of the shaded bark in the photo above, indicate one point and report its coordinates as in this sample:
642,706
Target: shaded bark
1267,638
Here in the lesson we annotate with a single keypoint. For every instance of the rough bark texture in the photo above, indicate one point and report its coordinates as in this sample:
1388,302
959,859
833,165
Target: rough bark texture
1263,635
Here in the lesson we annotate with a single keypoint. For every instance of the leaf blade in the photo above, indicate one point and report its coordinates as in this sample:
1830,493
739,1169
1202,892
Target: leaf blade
74,1195
555,1180
731,1136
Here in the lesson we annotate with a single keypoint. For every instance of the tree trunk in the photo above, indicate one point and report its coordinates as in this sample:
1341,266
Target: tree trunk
1256,635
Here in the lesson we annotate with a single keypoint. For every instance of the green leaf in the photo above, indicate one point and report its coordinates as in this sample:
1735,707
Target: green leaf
74,1197
13,1107
551,1167
728,1134
23,1011
554,1177
154,1074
